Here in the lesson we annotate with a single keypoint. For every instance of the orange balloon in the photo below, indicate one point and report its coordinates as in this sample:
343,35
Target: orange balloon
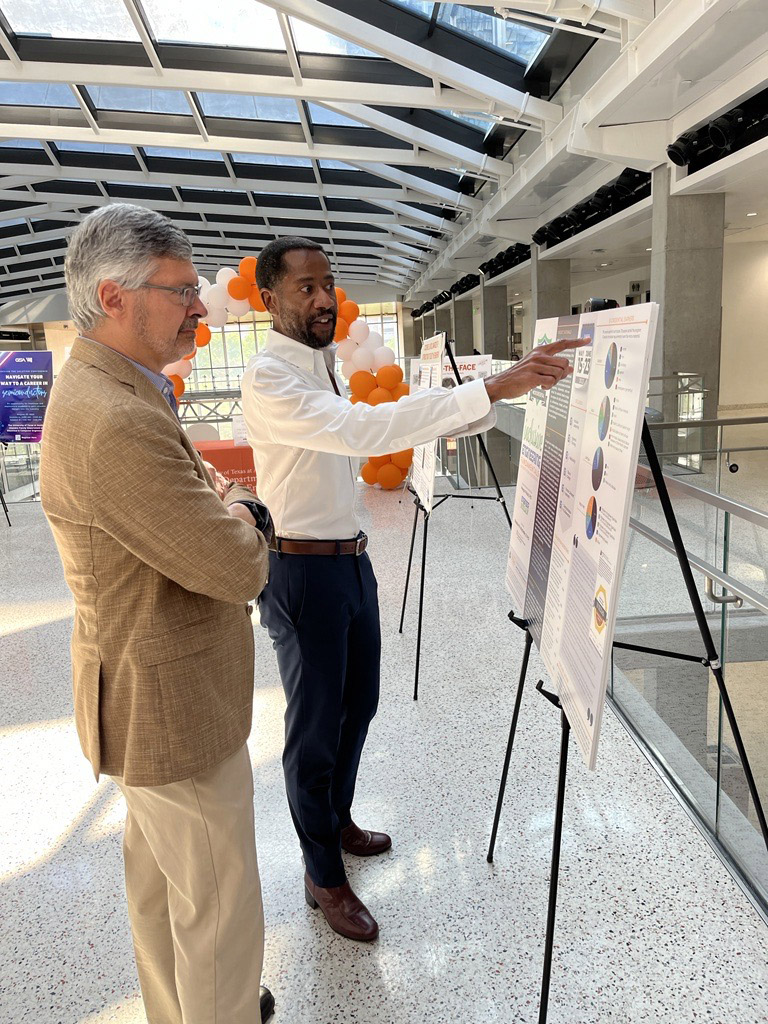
254,297
178,385
379,460
389,377
354,399
341,296
349,310
379,395
342,329
389,477
247,269
403,459
362,383
369,473
400,391
239,288
202,335
190,355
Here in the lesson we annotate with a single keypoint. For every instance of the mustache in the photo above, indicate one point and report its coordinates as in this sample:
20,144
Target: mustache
190,324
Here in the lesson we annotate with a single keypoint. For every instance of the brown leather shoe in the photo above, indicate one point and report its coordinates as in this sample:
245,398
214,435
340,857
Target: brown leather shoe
344,912
363,843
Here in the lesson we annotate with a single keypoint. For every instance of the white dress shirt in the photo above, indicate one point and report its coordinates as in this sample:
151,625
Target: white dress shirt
307,440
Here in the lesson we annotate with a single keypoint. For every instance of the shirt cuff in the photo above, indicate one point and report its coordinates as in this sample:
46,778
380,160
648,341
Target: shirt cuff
473,400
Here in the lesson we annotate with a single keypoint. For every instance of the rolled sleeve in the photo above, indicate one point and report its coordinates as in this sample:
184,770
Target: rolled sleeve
473,400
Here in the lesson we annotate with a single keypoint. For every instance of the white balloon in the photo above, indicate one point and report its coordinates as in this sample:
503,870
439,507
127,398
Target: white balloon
204,283
363,358
383,357
348,369
217,297
182,368
238,307
216,317
359,331
225,275
346,349
373,341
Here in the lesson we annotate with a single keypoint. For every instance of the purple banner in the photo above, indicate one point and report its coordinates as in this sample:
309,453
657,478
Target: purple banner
25,387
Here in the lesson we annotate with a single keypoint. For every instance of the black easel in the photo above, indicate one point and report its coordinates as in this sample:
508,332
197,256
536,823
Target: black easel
2,496
710,660
498,497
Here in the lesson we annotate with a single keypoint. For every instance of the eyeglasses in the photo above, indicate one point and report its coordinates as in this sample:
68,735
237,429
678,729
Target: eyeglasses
187,294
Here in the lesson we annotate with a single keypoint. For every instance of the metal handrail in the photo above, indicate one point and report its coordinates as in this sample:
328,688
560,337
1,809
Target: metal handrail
736,508
726,422
727,581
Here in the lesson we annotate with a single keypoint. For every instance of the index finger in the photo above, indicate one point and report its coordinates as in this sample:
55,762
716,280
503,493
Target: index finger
553,347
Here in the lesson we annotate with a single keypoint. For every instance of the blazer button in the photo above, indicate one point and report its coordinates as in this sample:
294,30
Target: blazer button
249,609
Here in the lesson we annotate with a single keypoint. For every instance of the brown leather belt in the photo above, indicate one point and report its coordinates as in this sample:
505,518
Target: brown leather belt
287,546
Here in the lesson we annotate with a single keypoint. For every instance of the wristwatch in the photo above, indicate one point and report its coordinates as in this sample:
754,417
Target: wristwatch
260,513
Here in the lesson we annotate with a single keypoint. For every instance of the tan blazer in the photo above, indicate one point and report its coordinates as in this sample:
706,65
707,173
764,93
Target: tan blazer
162,648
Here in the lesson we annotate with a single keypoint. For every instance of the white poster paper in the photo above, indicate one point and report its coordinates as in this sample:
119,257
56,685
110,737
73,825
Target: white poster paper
573,501
469,367
239,434
425,455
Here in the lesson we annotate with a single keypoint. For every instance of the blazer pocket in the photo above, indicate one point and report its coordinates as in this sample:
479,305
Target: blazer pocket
177,643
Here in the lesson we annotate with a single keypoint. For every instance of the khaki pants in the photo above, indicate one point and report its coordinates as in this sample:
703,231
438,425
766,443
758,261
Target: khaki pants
194,896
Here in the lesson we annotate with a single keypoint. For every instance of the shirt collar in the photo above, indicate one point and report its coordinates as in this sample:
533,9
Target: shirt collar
163,384
299,355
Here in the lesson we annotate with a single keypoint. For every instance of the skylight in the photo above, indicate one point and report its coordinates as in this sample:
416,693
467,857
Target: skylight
70,19
241,105
242,23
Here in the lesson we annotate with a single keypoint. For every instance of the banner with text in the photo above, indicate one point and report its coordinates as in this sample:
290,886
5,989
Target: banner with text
469,367
573,501
26,379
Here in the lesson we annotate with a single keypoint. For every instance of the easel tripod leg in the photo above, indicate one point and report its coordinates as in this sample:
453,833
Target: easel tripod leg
410,563
555,871
421,606
5,508
510,742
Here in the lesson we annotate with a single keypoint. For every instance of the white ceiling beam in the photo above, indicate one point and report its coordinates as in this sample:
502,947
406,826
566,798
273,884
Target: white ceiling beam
502,98
290,48
78,94
638,12
197,113
146,38
463,157
141,135
9,49
409,181
200,80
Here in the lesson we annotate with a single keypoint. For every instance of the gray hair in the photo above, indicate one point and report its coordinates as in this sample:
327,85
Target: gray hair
121,243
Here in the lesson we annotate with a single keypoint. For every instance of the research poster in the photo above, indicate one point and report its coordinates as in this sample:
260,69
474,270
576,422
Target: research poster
573,500
425,455
469,367
26,379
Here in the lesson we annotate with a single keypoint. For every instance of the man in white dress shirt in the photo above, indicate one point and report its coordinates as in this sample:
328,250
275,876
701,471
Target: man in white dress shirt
320,605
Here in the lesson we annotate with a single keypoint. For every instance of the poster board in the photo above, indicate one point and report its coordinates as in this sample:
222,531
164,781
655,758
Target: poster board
573,501
425,455
469,367
26,379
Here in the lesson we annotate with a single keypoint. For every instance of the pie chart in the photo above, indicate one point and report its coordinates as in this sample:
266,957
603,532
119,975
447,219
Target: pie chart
611,362
604,418
598,468
591,518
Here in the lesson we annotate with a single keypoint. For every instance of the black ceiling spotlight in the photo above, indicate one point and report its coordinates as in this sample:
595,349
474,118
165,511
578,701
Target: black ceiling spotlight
442,297
427,307
629,181
473,280
540,236
455,288
684,149
602,200
725,130
757,129
485,267
560,229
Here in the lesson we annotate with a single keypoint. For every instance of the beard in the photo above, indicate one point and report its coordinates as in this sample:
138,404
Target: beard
169,349
293,326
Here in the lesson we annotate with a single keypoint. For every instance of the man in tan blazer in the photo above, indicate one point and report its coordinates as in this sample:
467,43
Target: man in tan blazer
162,651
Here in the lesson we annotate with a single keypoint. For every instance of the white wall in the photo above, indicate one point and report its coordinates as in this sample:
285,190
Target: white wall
744,349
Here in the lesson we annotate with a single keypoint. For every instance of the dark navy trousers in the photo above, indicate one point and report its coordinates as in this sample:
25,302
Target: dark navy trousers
322,613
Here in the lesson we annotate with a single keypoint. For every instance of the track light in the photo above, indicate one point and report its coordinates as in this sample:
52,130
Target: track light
628,181
724,130
602,200
684,149
540,236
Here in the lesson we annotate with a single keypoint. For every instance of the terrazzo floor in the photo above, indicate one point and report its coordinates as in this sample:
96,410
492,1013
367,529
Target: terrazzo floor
651,927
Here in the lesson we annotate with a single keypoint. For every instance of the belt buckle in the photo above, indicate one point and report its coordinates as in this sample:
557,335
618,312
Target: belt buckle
360,543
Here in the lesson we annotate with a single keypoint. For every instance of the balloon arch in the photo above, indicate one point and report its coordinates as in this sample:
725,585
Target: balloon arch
367,363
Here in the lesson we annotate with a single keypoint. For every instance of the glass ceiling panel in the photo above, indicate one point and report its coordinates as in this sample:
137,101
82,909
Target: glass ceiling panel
36,94
321,115
243,23
259,108
183,154
21,144
273,161
70,19
419,6
310,39
156,101
481,121
336,165
94,147
516,40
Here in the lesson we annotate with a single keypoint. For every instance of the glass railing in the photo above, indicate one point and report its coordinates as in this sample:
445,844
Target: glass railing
20,472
